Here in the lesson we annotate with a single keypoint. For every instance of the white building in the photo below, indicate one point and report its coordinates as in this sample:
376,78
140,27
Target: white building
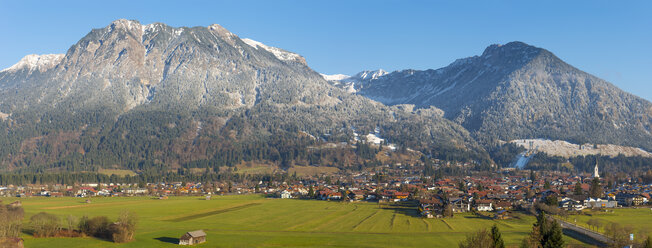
286,194
595,170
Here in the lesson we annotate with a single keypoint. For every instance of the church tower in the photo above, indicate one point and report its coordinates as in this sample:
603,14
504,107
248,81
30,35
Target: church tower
595,170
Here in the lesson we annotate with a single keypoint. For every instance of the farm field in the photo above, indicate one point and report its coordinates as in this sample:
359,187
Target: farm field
255,221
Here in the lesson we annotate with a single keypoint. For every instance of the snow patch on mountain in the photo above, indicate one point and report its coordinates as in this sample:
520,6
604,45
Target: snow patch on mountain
4,116
567,149
34,62
334,77
278,53
367,75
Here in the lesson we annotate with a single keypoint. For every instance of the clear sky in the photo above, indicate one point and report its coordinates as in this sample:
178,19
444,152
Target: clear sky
610,39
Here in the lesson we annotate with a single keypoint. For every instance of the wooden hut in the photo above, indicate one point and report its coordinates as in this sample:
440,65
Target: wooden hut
193,238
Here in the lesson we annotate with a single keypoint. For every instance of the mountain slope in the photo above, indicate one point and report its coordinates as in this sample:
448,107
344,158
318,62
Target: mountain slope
516,91
141,96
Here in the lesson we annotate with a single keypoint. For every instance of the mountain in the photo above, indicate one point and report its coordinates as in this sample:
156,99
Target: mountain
517,91
350,83
153,96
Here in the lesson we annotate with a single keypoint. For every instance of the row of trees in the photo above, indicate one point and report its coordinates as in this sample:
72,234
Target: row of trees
49,225
141,178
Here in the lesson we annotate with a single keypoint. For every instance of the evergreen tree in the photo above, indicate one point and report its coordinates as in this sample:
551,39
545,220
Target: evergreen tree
553,239
311,192
542,224
545,233
533,240
497,238
596,188
578,189
546,185
462,186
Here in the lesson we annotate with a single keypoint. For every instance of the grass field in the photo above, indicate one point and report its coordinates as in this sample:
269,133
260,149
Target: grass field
640,219
117,172
254,221
312,170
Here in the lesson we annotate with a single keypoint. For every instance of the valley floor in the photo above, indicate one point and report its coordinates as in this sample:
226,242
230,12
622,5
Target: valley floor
255,221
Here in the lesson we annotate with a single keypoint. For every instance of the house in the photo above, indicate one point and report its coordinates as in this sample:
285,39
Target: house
599,203
460,205
371,197
193,238
324,194
400,196
571,204
430,207
484,205
334,196
625,199
56,194
285,194
501,215
357,195
503,205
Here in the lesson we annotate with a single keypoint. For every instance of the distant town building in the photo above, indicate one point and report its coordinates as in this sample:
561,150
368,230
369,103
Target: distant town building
599,203
595,170
286,194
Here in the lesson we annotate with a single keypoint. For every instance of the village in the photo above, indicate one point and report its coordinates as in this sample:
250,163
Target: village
495,194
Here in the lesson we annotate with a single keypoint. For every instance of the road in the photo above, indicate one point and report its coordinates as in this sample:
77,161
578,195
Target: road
584,234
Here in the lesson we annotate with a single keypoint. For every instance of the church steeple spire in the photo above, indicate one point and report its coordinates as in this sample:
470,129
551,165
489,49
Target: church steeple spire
595,170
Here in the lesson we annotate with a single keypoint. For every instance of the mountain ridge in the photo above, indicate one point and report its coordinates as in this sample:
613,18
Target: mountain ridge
517,91
130,94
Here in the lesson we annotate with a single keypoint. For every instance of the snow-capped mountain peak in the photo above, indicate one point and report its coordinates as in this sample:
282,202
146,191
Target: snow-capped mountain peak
366,75
278,53
36,62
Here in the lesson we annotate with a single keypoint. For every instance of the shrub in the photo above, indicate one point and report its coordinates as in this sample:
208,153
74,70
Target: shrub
96,226
121,231
45,224
124,229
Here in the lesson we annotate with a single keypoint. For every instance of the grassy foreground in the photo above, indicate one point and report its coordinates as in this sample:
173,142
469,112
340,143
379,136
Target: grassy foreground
254,221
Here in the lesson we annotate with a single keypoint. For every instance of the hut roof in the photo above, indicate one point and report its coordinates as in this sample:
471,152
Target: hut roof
198,233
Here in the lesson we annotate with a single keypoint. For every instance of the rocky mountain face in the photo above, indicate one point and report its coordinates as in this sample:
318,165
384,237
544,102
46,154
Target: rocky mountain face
153,94
517,91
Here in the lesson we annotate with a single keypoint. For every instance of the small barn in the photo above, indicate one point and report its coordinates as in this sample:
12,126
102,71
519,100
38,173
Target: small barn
193,238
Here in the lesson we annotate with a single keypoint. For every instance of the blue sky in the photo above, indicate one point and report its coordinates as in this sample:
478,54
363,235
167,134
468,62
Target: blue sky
610,39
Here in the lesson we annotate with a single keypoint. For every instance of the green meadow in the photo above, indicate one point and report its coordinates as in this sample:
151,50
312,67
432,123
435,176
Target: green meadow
638,219
255,221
